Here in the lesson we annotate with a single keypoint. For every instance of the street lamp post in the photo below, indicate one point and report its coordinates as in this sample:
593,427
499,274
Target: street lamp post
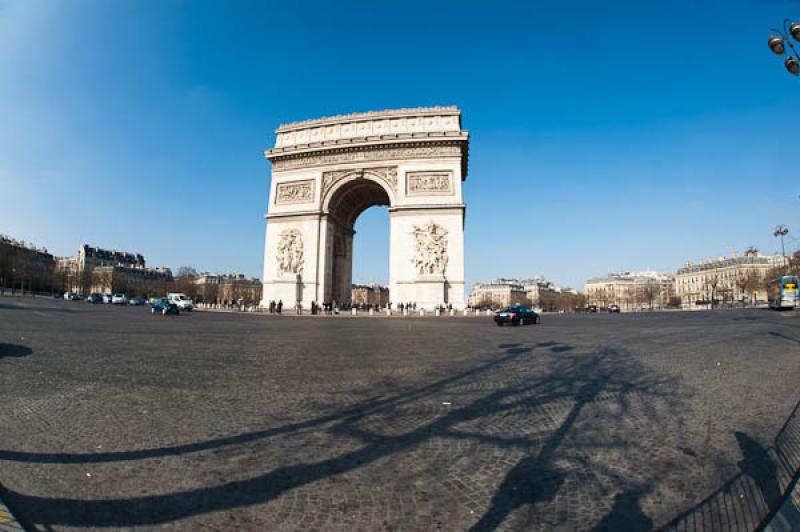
778,41
782,231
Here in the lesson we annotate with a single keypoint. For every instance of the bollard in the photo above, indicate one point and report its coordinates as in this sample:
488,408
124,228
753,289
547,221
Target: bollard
371,312
437,312
452,312
354,311
388,312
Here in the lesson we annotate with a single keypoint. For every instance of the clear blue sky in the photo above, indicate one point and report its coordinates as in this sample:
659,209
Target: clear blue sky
602,138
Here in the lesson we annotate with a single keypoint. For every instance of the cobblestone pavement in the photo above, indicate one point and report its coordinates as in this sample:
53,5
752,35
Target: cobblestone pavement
112,417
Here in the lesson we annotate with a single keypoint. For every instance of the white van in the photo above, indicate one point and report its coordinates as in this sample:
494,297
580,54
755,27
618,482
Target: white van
180,299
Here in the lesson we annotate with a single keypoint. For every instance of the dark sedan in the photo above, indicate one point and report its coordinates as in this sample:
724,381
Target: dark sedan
95,298
516,315
164,307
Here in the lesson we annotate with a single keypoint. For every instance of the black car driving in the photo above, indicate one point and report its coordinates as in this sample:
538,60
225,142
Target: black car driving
516,315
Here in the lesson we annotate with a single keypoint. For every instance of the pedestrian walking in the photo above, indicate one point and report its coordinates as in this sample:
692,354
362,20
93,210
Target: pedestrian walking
279,306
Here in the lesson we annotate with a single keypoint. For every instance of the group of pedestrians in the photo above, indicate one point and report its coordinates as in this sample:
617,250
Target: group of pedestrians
332,308
326,308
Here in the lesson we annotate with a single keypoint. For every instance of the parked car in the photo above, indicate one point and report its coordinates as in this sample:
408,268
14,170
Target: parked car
516,315
72,296
613,308
591,308
107,298
163,306
94,298
180,299
119,299
137,300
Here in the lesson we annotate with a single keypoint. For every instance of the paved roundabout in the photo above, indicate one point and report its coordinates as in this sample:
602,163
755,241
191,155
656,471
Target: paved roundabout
112,417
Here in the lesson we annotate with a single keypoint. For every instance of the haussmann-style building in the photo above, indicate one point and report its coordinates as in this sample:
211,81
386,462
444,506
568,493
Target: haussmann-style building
630,290
370,295
99,270
739,278
25,267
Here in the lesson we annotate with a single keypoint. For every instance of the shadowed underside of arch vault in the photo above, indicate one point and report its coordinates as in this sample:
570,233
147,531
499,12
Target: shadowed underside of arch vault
354,198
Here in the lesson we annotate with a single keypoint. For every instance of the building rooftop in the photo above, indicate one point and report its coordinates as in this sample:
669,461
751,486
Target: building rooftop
629,277
727,262
439,110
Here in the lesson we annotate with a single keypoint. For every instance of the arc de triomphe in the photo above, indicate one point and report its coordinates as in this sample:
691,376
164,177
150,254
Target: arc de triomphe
326,172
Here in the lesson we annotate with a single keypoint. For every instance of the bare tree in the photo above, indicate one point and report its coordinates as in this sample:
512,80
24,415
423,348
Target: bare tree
651,292
5,266
751,283
713,282
185,281
186,271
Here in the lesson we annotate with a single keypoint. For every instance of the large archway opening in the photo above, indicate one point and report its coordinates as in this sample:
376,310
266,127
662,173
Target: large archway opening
371,249
344,208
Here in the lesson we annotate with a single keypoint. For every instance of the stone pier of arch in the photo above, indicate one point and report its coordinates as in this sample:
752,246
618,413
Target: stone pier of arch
326,172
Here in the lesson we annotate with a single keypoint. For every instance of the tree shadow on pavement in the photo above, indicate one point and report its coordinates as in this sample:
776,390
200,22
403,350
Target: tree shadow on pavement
14,351
574,410
625,516
783,336
757,464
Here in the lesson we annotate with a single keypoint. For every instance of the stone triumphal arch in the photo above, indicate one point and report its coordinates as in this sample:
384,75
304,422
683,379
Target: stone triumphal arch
326,172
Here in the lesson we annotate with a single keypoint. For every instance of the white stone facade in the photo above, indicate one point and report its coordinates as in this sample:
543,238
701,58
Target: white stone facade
326,172
630,291
501,293
726,279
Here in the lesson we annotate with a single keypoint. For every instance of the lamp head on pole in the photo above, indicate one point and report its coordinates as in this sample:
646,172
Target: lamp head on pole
794,30
792,65
776,45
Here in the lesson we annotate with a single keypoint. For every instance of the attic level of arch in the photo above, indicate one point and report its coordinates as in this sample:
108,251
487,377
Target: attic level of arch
373,151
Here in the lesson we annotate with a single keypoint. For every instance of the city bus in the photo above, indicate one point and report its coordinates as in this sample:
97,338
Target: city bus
783,293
